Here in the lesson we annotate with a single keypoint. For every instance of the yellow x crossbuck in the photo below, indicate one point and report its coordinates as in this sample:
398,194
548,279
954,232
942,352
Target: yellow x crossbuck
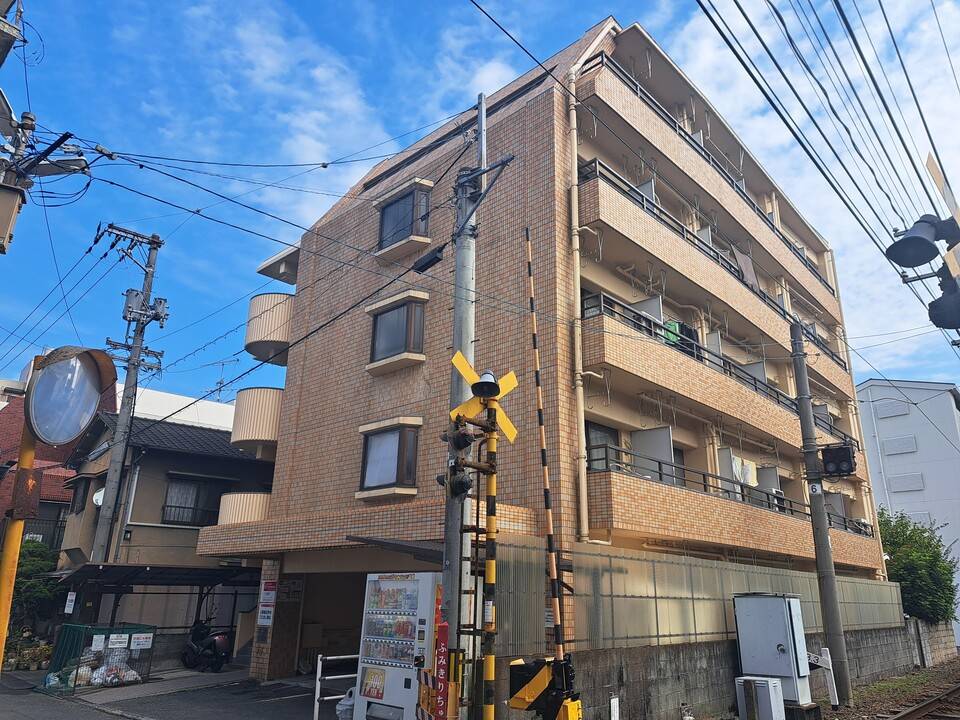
474,406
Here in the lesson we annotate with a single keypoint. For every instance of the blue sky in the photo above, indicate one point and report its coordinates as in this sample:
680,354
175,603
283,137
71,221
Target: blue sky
304,81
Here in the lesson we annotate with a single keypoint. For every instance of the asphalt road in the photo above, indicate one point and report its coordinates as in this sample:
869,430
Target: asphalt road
245,700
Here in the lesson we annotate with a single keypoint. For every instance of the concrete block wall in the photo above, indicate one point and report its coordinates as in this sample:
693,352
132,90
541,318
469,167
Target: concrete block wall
652,682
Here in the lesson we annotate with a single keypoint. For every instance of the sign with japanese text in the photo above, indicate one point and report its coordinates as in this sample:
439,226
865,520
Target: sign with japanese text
443,669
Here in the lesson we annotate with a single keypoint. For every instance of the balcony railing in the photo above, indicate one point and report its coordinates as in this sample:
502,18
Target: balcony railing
603,60
48,532
598,169
603,304
188,515
610,458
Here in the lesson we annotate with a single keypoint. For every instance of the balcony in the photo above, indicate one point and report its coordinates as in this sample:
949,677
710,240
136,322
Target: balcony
47,532
243,507
256,421
603,305
188,515
268,327
634,495
596,168
601,74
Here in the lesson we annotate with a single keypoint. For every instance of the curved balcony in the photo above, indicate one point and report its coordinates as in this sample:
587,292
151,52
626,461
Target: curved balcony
256,421
242,507
268,327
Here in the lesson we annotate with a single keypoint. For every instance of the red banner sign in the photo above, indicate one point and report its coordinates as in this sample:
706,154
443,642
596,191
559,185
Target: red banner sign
443,669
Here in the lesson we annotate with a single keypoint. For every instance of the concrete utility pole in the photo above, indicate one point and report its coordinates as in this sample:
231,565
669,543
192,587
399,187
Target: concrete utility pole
826,575
139,311
468,190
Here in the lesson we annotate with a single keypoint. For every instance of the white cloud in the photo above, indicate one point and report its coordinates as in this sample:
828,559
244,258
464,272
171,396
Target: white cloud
874,299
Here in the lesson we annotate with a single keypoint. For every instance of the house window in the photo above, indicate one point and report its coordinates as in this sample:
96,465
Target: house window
390,458
190,503
600,440
403,217
397,330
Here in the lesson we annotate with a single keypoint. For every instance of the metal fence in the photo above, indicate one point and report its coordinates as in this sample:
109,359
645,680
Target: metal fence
91,657
48,532
521,595
626,598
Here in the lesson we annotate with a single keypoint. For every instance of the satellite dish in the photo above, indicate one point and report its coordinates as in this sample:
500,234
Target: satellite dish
98,497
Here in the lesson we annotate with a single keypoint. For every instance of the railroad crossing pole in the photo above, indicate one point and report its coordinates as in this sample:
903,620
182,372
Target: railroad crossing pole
826,575
138,310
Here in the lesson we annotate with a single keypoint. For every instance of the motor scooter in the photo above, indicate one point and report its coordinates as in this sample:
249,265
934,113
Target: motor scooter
205,649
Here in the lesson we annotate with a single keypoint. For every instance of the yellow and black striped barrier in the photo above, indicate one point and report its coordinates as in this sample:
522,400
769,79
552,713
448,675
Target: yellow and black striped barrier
544,686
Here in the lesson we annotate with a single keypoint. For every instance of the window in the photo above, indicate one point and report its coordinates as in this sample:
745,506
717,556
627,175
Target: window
397,330
191,503
600,439
390,458
79,501
403,217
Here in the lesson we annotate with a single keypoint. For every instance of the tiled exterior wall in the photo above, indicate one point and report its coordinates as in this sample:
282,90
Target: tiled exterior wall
678,514
607,88
601,202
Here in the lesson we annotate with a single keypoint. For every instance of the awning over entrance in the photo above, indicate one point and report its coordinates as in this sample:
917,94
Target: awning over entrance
111,575
428,551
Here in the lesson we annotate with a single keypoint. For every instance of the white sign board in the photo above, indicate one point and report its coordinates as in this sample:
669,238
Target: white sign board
141,641
71,601
118,640
268,591
97,642
265,615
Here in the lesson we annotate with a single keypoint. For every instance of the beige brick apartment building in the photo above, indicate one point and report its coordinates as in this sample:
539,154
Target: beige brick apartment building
691,266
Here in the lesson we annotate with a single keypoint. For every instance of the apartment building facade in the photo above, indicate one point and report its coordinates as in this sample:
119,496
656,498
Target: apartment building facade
668,267
911,433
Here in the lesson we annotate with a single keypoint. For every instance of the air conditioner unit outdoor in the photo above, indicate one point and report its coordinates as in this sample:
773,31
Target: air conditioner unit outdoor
760,698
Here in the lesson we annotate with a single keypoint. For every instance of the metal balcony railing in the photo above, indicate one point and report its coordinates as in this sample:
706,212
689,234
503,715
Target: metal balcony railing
603,304
598,169
48,532
611,458
188,515
602,60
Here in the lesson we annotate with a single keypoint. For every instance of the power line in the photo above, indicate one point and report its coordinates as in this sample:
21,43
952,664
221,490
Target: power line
750,67
913,92
828,103
946,48
876,86
836,62
905,396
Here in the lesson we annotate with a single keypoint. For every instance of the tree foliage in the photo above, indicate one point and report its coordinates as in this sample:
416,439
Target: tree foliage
34,596
922,564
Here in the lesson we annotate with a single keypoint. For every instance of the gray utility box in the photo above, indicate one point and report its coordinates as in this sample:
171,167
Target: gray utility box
771,641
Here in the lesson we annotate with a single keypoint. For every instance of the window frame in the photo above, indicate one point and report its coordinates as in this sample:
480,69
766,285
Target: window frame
203,496
411,344
606,459
405,474
419,217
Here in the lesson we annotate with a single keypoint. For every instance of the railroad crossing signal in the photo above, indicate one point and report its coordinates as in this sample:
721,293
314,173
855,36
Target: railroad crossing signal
474,406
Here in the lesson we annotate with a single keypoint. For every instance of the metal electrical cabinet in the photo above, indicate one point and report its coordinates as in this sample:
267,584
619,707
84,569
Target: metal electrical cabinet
771,641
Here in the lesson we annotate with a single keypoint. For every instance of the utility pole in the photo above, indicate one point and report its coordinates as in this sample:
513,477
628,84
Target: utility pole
471,189
459,505
139,312
826,574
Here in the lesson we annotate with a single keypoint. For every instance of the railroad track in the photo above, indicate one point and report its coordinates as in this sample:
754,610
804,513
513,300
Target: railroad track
944,706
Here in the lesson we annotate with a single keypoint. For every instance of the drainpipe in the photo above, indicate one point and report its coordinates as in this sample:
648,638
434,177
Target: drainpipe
583,514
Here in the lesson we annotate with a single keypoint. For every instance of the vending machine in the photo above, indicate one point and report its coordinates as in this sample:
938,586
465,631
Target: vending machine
399,617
